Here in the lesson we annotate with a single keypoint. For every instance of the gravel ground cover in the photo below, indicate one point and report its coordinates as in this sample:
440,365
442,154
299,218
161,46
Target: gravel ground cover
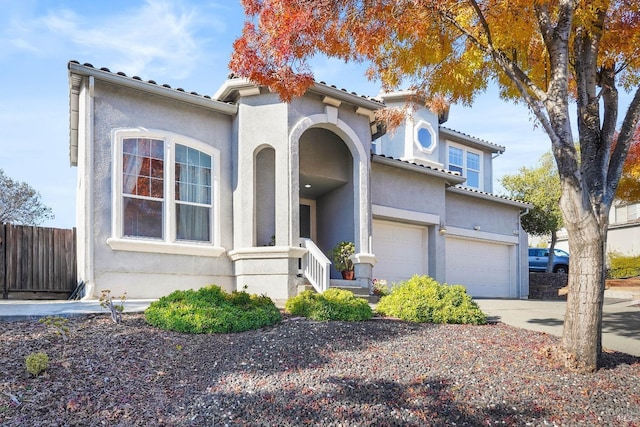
381,372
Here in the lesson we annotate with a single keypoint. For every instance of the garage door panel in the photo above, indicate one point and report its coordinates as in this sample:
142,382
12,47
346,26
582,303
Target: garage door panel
484,268
400,250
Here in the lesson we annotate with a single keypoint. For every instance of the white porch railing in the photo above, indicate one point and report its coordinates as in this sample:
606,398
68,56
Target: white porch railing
315,265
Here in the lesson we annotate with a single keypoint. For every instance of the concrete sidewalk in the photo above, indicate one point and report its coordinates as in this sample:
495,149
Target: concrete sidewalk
620,319
11,310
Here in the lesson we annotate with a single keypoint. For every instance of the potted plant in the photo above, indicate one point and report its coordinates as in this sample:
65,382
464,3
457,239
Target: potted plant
341,255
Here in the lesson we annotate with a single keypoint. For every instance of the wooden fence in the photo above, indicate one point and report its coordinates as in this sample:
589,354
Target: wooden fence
37,262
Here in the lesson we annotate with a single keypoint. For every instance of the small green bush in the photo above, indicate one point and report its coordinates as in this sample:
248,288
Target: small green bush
333,304
212,310
36,363
621,267
423,299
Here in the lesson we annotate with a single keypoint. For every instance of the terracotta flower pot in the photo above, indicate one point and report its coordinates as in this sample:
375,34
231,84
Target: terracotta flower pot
348,274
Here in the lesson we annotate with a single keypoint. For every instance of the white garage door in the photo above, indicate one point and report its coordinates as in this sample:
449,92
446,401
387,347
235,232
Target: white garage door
400,250
484,268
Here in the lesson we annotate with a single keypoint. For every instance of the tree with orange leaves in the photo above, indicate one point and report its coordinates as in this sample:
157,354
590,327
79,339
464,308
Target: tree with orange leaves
552,55
629,186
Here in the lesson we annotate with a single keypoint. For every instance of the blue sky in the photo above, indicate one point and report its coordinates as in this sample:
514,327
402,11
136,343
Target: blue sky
185,43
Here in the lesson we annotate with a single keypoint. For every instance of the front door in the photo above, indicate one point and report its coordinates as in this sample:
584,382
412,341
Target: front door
308,219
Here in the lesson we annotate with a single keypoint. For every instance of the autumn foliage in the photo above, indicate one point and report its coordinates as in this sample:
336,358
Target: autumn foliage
629,186
448,47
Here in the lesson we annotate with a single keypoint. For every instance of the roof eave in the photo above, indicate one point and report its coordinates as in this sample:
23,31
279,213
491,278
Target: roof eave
449,177
234,86
484,145
343,95
490,197
107,76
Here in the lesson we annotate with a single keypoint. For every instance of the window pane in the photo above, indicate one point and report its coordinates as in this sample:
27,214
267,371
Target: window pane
455,157
129,184
157,168
144,147
138,167
157,188
130,145
424,138
143,186
181,153
473,179
193,156
204,176
142,218
193,175
157,149
192,222
203,194
473,161
205,161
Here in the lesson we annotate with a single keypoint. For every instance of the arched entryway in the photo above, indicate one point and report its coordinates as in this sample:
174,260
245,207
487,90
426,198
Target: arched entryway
326,189
333,188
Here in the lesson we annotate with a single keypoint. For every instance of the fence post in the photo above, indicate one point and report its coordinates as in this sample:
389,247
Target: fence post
3,263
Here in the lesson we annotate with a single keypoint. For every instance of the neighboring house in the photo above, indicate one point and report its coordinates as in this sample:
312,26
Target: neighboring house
177,190
623,236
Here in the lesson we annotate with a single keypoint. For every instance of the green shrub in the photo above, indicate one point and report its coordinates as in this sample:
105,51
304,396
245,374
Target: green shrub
423,299
212,310
36,363
621,266
333,304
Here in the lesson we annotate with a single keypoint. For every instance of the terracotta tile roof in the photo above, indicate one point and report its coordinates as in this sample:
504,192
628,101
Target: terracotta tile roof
482,142
418,165
370,98
463,189
153,82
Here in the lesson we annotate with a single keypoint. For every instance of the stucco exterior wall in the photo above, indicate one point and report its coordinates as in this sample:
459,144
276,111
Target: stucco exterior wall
623,239
402,189
491,217
401,143
151,274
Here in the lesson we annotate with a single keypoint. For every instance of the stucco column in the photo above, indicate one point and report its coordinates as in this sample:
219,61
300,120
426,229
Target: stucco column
363,266
437,249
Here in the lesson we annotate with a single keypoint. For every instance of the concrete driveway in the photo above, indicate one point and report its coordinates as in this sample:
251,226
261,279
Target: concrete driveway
620,325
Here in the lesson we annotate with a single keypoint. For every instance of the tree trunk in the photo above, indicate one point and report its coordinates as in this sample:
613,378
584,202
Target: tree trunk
552,246
582,332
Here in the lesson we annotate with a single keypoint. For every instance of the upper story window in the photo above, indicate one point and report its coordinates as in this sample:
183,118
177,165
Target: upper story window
468,163
425,137
621,214
164,190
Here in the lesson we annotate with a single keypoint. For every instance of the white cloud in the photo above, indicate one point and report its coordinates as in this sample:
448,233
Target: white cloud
157,38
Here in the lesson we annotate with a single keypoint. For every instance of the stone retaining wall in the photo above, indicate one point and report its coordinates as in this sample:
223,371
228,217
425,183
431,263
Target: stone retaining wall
545,286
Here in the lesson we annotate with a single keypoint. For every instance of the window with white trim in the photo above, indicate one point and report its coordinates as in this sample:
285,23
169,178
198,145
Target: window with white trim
425,137
626,213
164,189
466,162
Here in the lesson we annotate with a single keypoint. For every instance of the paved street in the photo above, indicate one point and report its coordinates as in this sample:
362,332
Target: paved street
620,326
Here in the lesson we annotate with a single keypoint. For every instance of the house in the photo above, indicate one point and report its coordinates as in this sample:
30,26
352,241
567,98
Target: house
177,190
623,236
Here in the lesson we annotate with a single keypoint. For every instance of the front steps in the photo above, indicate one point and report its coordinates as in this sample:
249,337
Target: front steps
347,285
